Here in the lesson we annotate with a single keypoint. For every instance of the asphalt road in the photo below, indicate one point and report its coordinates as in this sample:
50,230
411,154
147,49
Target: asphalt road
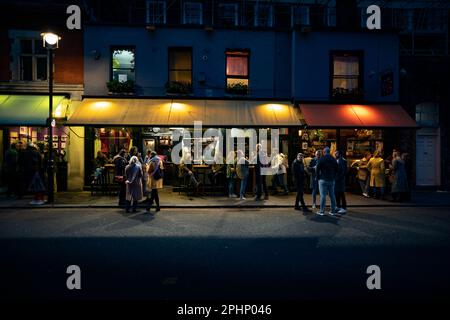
225,253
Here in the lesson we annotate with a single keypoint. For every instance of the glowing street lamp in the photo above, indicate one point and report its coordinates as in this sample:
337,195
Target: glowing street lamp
50,41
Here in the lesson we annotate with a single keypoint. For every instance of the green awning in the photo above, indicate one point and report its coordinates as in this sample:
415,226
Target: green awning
29,110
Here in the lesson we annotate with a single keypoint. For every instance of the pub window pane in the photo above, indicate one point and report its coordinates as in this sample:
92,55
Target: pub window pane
180,65
39,48
156,12
348,65
346,79
263,15
181,76
193,13
301,16
237,75
123,64
228,14
237,66
232,81
26,68
41,68
26,46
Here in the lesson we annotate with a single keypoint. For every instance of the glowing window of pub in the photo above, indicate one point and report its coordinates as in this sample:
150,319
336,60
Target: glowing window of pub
123,64
237,69
180,65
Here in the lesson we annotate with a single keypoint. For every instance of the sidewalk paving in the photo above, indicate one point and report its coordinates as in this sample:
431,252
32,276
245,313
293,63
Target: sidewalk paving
171,199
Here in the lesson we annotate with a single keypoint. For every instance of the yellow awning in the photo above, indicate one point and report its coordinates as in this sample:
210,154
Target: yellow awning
168,112
30,109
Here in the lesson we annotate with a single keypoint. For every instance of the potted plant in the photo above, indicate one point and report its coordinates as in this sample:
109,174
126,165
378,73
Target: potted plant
238,88
117,87
177,87
343,93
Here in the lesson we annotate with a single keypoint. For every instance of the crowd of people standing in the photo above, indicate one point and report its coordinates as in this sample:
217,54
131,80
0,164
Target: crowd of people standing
25,172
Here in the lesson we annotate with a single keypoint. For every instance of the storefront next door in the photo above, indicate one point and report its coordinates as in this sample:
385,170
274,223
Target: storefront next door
427,158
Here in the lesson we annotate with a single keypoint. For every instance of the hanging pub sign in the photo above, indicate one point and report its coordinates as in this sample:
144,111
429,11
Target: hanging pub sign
387,83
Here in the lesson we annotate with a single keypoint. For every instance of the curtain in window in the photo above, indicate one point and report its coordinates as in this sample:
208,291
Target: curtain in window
346,66
237,66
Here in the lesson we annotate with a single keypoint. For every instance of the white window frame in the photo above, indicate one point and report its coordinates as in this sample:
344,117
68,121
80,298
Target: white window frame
151,3
329,11
294,16
200,5
16,52
256,14
236,11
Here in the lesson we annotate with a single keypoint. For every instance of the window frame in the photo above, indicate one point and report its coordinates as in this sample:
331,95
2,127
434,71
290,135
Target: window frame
355,53
236,12
120,47
190,49
293,15
148,5
235,52
256,13
201,13
34,57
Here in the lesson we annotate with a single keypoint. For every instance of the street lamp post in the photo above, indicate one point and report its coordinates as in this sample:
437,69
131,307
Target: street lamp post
50,42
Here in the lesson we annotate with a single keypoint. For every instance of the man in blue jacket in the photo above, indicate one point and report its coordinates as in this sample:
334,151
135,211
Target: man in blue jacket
326,172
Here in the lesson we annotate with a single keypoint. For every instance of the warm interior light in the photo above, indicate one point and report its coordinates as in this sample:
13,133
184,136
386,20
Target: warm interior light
178,106
300,133
101,104
360,110
58,111
275,107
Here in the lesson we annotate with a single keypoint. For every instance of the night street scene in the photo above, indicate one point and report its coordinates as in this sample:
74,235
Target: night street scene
218,158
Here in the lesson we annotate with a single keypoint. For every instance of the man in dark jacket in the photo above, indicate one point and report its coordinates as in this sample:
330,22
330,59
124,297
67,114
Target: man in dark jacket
120,163
11,167
298,171
326,171
339,187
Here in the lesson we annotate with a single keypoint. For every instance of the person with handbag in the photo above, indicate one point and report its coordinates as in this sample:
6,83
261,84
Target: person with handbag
133,173
119,164
155,180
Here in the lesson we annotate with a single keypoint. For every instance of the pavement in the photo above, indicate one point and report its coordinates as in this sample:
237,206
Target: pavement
170,199
223,254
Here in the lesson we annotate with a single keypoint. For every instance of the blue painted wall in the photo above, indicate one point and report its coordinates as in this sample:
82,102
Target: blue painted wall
282,64
312,62
269,58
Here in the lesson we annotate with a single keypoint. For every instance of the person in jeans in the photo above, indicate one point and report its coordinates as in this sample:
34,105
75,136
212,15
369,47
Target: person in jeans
231,173
298,172
315,182
339,187
326,171
155,182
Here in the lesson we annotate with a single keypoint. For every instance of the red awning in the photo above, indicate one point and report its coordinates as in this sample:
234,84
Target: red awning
356,115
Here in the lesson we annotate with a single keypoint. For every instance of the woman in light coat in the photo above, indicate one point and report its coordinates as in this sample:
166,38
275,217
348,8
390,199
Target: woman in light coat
377,177
155,180
133,173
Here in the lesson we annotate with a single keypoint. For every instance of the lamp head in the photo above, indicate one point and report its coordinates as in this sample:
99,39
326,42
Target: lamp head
50,40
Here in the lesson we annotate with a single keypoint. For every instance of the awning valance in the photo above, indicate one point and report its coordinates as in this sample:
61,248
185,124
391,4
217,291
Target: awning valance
355,116
29,110
165,112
